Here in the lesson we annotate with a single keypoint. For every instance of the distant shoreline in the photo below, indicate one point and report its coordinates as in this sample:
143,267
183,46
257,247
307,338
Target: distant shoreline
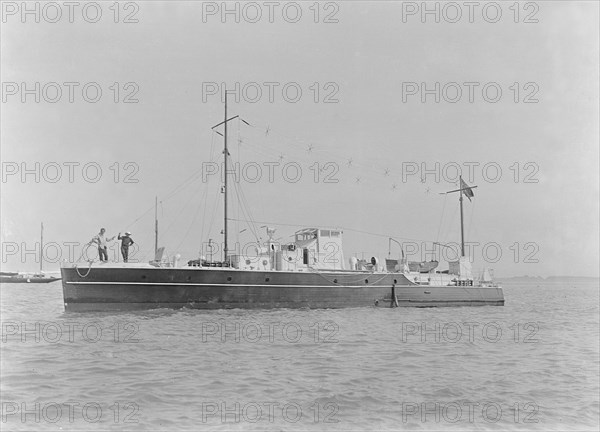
588,279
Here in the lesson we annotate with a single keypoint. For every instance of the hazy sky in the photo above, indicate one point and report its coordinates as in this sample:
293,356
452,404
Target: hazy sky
516,109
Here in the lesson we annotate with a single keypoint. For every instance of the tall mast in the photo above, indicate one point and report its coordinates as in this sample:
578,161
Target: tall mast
155,225
42,247
462,230
224,189
225,153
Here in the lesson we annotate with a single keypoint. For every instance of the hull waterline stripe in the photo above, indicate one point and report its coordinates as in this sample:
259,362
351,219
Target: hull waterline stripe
225,285
271,285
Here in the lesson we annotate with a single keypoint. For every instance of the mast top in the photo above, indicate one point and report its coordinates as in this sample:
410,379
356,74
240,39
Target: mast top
468,191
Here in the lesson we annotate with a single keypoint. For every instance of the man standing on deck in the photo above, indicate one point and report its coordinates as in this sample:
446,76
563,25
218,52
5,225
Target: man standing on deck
102,242
126,241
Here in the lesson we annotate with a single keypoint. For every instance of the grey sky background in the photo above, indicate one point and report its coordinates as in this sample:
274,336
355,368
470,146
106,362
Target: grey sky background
369,136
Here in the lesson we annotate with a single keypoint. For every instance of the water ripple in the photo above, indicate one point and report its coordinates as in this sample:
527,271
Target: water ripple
536,360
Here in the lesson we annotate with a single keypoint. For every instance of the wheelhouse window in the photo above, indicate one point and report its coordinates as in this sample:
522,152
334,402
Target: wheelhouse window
306,235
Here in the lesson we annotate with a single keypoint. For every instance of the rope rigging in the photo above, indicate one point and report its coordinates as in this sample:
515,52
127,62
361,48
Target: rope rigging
270,145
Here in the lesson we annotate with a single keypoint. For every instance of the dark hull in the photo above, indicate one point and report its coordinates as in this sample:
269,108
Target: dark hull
19,279
134,288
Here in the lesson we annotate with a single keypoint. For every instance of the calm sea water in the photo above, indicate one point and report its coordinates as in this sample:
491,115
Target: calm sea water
530,365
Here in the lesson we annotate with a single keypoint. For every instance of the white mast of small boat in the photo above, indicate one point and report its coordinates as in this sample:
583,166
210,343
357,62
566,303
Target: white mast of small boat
155,225
42,248
463,187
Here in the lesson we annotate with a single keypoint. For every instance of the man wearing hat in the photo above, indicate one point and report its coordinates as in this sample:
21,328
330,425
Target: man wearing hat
126,241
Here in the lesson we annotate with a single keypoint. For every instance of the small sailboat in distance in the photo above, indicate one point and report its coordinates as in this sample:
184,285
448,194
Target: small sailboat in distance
15,277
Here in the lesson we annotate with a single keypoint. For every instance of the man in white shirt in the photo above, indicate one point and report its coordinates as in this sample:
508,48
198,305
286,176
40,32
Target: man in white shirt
102,243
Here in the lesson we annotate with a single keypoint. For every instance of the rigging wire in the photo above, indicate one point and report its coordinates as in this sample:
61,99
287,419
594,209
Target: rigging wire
437,239
311,147
212,219
442,217
169,195
271,142
472,212
178,214
247,210
178,189
190,226
204,198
